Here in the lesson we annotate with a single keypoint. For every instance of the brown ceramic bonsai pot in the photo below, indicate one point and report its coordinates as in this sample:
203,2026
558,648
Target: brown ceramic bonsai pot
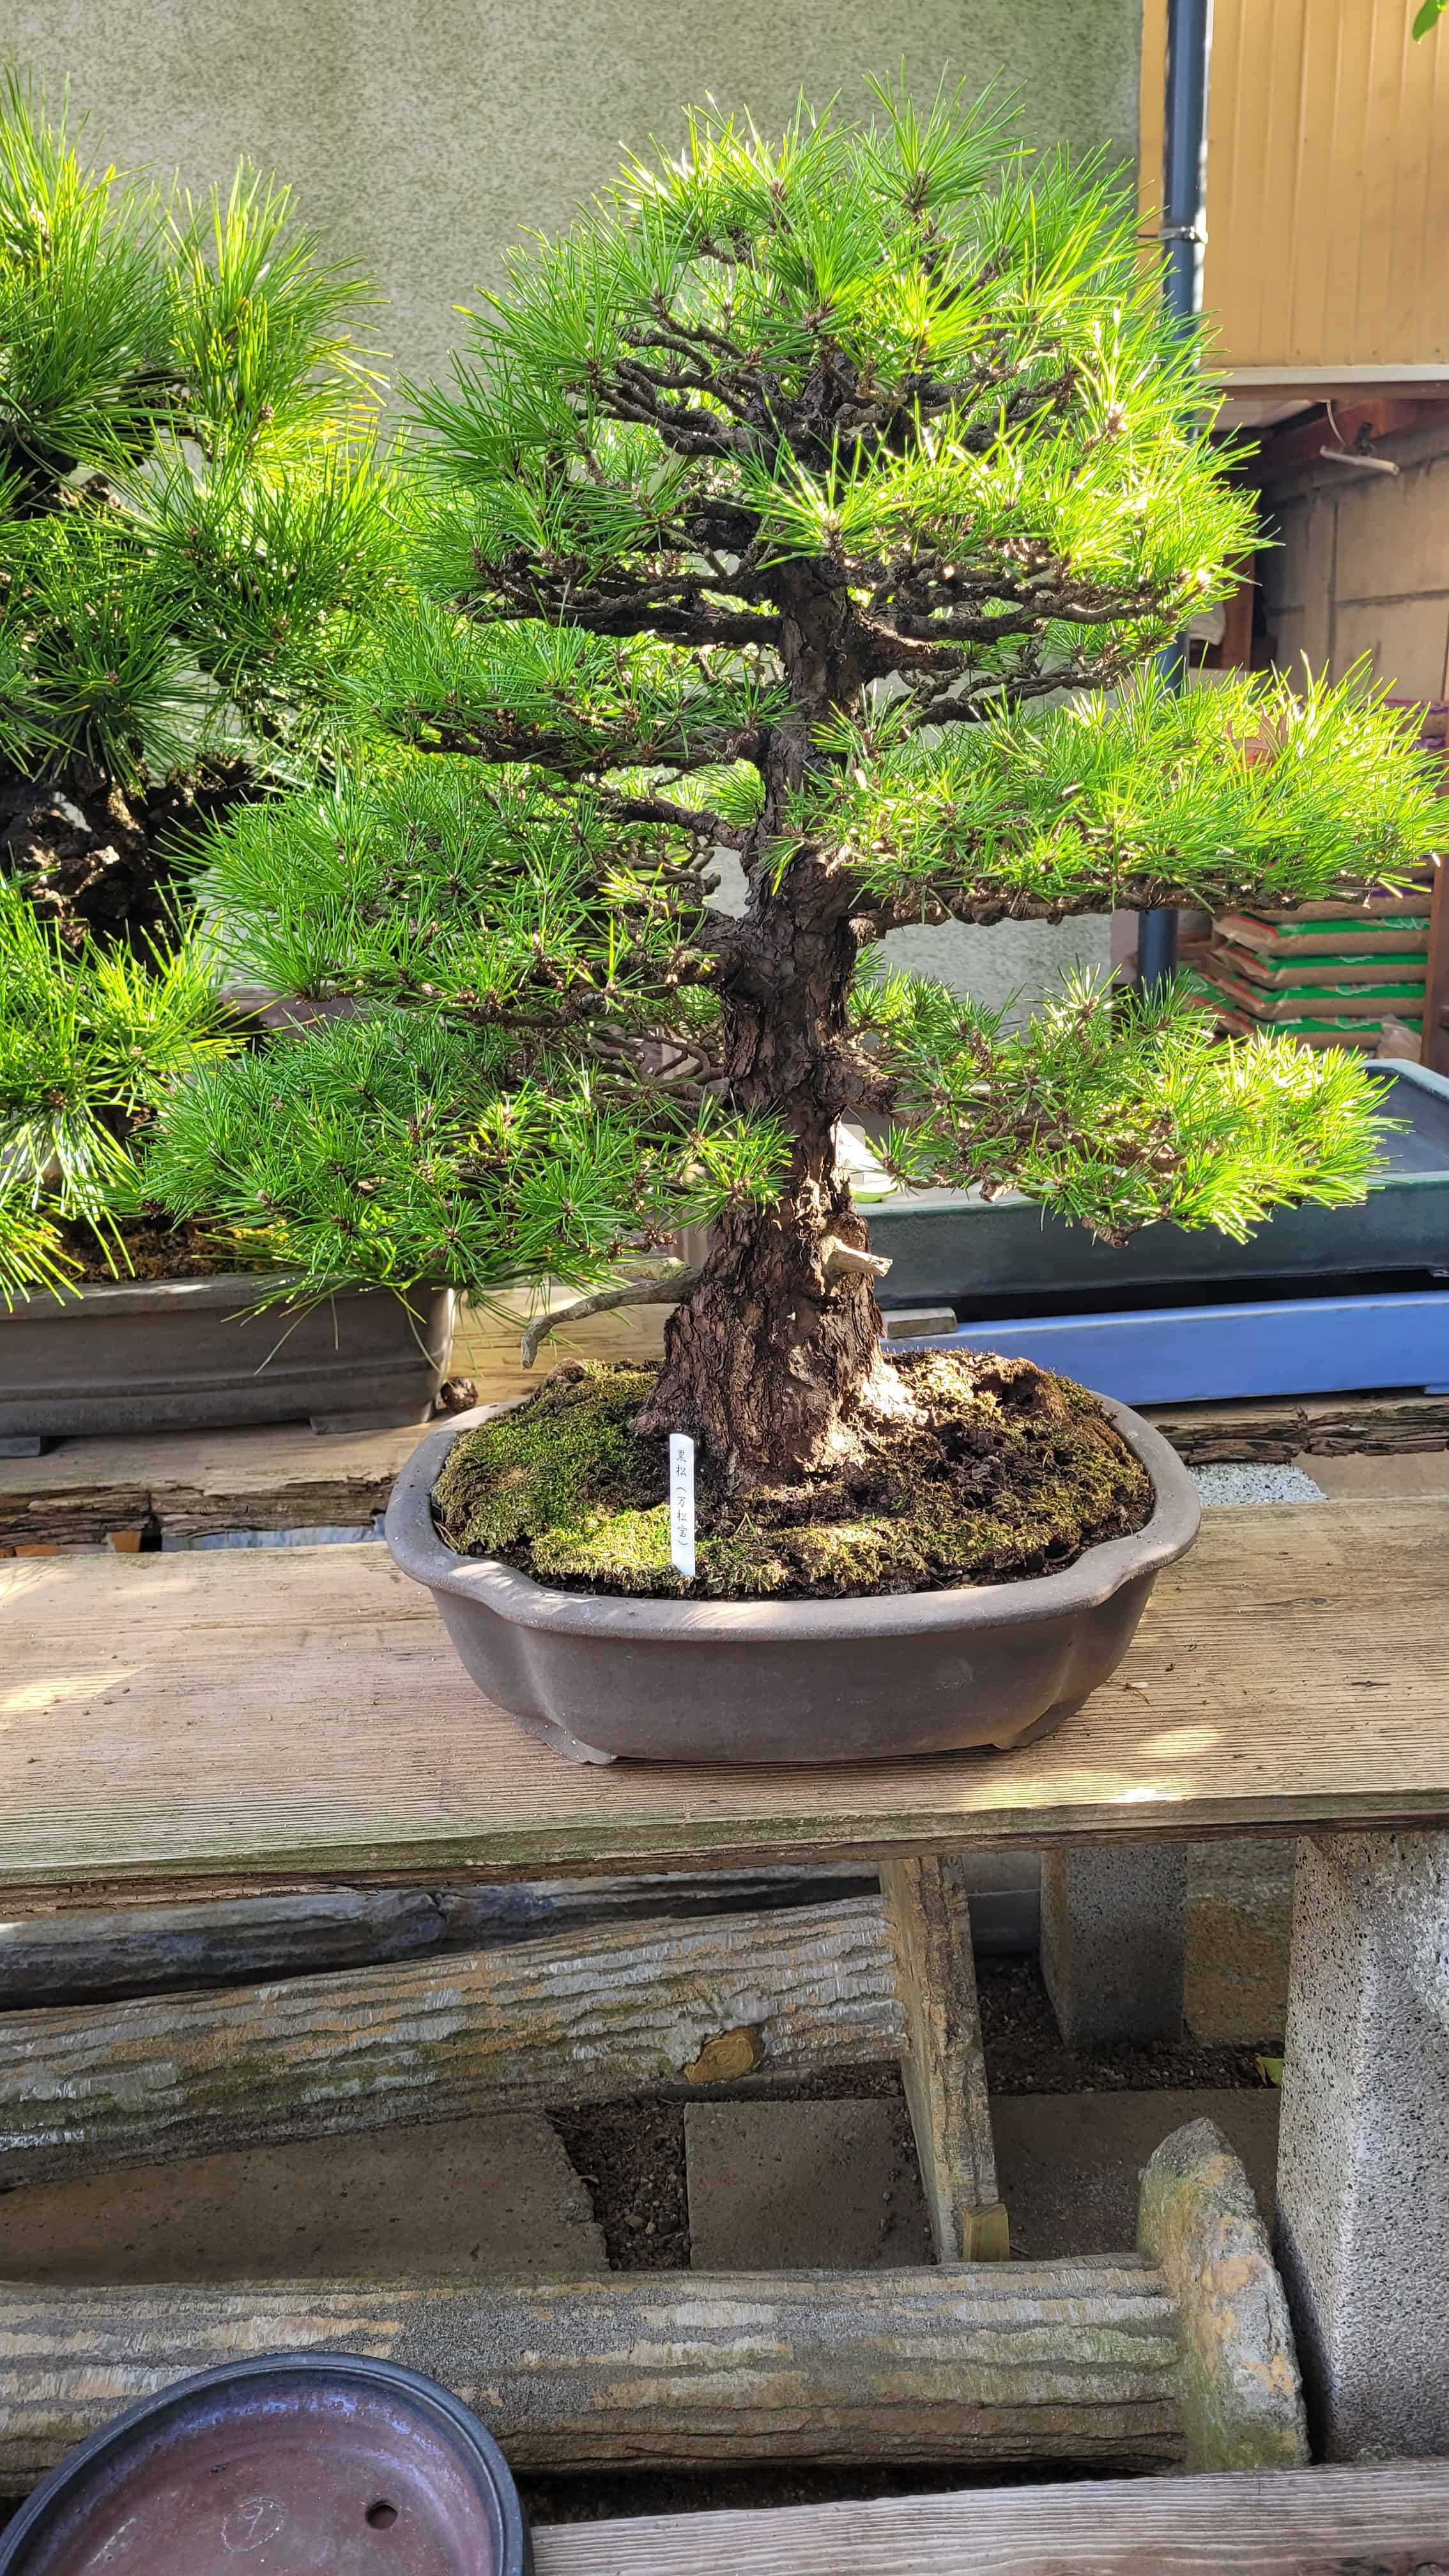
190,1354
878,1678
286,2462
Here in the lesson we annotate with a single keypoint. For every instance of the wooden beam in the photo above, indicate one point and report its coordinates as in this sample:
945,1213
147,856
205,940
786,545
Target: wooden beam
1021,2361
198,1723
1336,2522
107,1954
575,2019
927,1904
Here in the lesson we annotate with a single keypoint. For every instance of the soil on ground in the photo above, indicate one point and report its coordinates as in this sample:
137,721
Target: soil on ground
991,1470
145,1248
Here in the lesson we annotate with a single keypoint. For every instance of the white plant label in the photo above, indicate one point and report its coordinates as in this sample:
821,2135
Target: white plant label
681,1504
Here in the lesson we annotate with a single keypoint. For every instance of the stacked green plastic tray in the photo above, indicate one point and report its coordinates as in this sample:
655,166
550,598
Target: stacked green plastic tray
1329,974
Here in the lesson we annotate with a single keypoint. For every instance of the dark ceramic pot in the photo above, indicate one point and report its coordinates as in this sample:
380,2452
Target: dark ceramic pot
300,2464
188,1354
871,1679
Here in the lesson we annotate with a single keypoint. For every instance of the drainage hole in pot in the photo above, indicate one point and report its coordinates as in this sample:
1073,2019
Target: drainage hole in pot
381,2515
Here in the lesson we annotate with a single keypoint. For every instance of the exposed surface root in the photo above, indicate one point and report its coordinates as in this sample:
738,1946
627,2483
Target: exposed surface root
989,1470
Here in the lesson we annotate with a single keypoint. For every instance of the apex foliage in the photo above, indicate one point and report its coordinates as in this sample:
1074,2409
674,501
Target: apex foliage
823,504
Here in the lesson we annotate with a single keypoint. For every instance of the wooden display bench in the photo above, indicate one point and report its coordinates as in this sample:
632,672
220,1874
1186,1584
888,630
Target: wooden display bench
212,1725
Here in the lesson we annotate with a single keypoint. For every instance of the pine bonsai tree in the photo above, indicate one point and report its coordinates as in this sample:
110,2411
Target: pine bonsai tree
192,533
823,505
189,515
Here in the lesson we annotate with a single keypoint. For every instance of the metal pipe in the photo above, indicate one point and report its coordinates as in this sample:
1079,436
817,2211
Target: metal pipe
1184,237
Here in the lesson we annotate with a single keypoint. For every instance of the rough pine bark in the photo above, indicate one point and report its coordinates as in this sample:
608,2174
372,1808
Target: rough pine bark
770,1354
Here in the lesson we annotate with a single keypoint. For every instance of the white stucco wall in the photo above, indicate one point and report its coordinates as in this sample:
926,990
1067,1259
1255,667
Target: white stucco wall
425,133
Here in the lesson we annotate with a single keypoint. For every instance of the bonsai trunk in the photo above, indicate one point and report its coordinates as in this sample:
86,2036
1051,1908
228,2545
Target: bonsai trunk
767,1359
773,1350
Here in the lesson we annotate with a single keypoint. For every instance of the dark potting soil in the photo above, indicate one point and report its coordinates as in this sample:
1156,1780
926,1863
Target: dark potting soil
991,1470
147,1249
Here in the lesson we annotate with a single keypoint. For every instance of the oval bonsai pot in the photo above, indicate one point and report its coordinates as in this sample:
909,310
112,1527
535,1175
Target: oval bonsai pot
874,1678
290,2462
189,1354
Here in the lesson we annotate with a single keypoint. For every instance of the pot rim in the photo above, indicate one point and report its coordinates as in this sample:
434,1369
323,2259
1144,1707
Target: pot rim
429,2397
213,1288
624,1617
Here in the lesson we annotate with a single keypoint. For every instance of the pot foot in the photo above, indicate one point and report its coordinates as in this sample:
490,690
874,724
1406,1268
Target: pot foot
27,1444
547,1730
1045,1725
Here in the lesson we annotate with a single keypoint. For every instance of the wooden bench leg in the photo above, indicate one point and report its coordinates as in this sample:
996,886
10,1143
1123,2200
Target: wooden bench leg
944,2068
1363,2155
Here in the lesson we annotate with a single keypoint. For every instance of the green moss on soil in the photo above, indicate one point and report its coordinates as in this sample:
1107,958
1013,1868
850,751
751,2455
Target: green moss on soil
1005,1472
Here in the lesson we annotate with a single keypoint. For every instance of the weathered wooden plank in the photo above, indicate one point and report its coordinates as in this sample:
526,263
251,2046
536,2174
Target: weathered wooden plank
170,1723
105,1954
1022,2361
927,1907
1292,2522
1283,1428
578,2018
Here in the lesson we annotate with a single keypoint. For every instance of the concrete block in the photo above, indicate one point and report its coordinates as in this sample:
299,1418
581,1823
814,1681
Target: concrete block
1363,2160
1239,1921
466,2197
1113,1931
803,2186
1068,2165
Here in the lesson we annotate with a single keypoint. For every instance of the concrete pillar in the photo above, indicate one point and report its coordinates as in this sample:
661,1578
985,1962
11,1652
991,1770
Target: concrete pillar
1113,1939
1363,2158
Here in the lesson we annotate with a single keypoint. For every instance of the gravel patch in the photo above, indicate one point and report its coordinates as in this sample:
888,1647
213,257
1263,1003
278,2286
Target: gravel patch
1256,1485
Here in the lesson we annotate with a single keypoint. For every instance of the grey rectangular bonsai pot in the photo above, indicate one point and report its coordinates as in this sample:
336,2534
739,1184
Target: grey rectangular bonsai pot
190,1354
879,1678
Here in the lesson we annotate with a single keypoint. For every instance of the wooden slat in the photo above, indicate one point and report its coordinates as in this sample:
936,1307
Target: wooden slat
1073,2360
927,1907
1297,2522
299,1718
577,2019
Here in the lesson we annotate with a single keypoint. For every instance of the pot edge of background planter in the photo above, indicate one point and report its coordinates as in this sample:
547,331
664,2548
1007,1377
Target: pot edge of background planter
876,1677
140,1355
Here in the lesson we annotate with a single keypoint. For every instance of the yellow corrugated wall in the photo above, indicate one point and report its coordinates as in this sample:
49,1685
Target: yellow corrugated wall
1328,181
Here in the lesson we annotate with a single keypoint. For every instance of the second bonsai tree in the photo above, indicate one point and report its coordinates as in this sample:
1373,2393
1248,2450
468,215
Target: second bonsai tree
824,506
